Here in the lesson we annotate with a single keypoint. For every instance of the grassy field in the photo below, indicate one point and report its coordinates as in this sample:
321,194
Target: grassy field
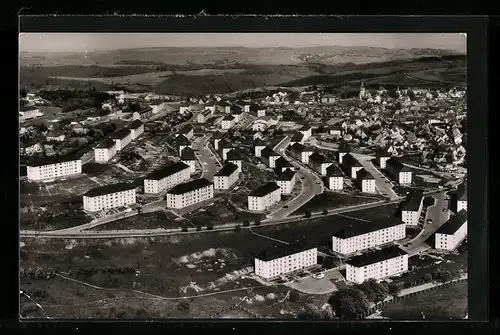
443,304
154,220
331,200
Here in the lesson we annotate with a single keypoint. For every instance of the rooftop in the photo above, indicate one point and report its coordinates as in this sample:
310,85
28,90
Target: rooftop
268,152
344,147
376,256
186,129
228,118
107,189
297,147
382,153
319,158
227,170
187,154
190,186
167,171
364,175
106,144
136,124
297,137
234,154
286,175
145,110
47,160
258,143
357,229
396,165
281,163
182,140
413,201
333,171
348,161
461,192
283,250
454,223
120,134
264,190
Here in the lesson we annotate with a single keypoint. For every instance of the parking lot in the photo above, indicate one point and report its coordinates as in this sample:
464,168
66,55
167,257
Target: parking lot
317,281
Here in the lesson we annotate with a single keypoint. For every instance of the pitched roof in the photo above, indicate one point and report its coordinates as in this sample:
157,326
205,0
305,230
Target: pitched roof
268,152
106,144
283,250
145,110
348,161
281,163
319,158
413,201
364,175
107,189
451,226
167,171
287,175
227,170
187,154
190,186
376,256
297,147
182,140
357,229
333,171
264,190
136,124
47,160
461,192
120,134
396,165
297,137
234,154
344,147
228,118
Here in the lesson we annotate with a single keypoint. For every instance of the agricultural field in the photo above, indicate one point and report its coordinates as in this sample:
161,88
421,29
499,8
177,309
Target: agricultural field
153,220
445,303
332,200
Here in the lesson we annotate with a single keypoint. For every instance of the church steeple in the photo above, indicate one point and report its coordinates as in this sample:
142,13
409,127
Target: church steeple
362,91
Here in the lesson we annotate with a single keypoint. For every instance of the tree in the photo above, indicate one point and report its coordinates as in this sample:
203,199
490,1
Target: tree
311,312
237,228
445,276
394,289
427,277
184,229
198,228
373,290
393,94
246,223
325,211
308,214
257,222
210,227
349,303
294,296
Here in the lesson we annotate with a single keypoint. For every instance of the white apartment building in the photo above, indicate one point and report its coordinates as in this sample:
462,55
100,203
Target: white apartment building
234,156
319,163
458,198
217,138
381,158
258,147
365,236
105,151
136,129
182,142
269,157
335,178
365,181
286,181
227,122
143,114
225,148
261,112
190,193
187,131
122,138
343,150
204,115
351,165
226,177
184,108
378,265
237,114
166,178
51,167
109,196
411,209
307,132
264,197
284,259
283,164
398,171
301,153
188,157
451,234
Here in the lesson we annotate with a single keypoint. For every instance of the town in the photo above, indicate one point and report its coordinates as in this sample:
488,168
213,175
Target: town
360,195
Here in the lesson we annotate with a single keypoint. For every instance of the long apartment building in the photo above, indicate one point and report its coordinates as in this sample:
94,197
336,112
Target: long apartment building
452,232
301,152
188,157
136,128
264,197
365,181
411,209
52,167
364,236
398,171
166,178
122,138
109,196
458,198
285,259
190,195
380,264
226,177
319,163
105,151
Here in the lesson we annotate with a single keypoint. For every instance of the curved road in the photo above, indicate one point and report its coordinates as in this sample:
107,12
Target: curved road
311,184
207,159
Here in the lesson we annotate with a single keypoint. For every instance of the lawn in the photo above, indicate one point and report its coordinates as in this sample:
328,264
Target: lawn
331,200
442,304
221,212
154,220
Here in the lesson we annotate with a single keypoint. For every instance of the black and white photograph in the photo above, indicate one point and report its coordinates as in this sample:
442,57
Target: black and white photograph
286,176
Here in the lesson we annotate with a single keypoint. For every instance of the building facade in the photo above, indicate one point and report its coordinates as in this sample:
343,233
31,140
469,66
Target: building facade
109,196
136,129
190,194
378,265
122,138
363,237
452,233
286,181
458,198
284,260
398,171
264,197
351,165
226,177
335,178
52,167
166,178
319,163
411,209
227,122
105,151
365,181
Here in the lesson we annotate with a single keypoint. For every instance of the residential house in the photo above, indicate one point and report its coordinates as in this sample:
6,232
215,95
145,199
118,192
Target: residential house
269,157
204,115
350,165
217,137
286,181
381,158
187,131
143,114
328,99
188,157
301,153
282,164
136,128
105,151
224,148
398,171
122,138
226,177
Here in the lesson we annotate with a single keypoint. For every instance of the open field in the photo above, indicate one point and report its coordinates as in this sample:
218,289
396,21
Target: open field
445,303
331,200
153,220
221,212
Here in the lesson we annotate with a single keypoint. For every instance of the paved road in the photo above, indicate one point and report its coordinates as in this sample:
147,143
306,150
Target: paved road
77,232
207,159
438,216
311,184
383,184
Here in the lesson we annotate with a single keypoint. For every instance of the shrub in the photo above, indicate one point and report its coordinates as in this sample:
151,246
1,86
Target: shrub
237,228
325,211
308,214
394,289
246,223
427,277
198,228
210,227
294,296
183,306
185,229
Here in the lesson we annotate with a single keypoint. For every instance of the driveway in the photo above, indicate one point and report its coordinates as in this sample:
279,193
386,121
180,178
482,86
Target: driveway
208,163
312,285
383,184
310,186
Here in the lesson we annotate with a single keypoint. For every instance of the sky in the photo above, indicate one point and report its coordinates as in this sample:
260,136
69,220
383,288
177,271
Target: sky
80,42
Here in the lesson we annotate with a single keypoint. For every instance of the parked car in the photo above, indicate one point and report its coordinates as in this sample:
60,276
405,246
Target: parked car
285,206
319,275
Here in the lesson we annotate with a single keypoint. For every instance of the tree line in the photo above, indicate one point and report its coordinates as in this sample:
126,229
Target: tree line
70,100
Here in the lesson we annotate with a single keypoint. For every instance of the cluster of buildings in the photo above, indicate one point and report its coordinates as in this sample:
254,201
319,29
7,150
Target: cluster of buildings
117,141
